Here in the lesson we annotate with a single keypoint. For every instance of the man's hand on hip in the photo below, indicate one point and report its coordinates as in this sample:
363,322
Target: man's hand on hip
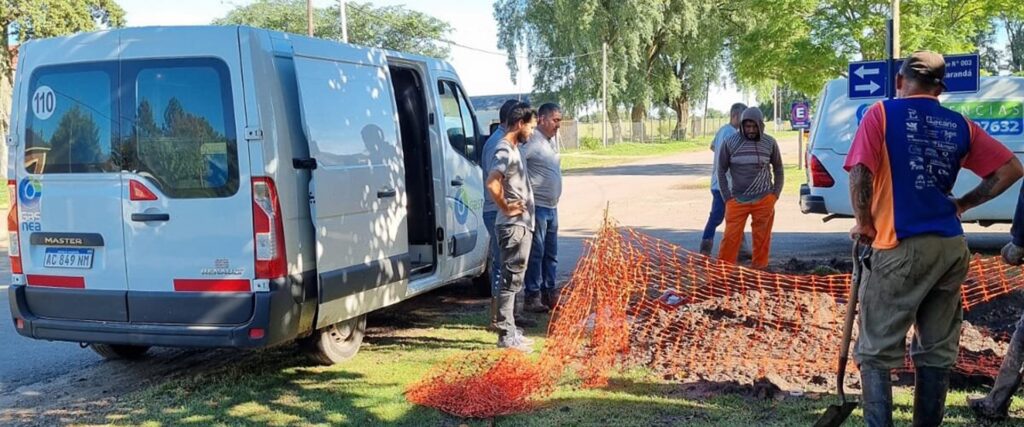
515,208
1013,254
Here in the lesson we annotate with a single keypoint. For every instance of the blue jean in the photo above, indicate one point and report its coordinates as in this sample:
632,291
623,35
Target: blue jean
716,216
494,255
543,266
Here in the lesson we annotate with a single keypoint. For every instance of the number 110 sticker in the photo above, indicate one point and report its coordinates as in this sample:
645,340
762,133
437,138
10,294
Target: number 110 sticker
44,102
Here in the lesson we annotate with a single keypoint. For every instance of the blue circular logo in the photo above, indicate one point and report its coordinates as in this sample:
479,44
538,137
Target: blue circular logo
30,190
861,111
461,208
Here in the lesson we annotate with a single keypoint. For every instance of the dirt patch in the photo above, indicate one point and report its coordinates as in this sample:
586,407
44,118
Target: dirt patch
821,267
789,341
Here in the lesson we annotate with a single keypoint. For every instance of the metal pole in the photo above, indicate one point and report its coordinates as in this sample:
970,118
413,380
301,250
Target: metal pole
604,93
896,28
344,20
890,58
309,17
800,149
775,111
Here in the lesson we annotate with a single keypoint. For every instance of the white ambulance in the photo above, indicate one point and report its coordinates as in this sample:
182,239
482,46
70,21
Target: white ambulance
233,187
998,107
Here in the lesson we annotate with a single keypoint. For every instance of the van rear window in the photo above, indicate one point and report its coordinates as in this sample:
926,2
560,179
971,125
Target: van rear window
71,124
174,123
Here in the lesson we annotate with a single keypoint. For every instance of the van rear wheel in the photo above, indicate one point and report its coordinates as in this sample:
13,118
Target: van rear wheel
119,351
336,343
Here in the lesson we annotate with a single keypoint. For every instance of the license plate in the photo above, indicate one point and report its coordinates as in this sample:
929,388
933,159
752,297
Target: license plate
68,258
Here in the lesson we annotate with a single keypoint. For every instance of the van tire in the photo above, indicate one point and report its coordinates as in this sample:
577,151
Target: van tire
119,351
336,343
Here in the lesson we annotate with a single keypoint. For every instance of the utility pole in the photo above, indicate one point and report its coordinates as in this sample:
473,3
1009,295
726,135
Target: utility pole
344,20
604,93
895,28
775,111
309,17
892,41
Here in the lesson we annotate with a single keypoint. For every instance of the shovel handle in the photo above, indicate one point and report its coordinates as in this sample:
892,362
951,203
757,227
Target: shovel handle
851,312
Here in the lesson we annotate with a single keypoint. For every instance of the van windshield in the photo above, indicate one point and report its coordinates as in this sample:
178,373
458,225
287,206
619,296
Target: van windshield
175,123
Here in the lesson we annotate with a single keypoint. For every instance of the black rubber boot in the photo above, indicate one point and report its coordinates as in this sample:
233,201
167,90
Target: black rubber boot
876,396
706,246
930,386
996,404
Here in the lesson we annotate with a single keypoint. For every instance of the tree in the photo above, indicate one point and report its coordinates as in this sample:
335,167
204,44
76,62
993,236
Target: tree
803,43
658,51
23,20
391,27
1013,22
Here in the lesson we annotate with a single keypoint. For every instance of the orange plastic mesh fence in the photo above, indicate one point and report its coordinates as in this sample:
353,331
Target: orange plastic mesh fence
634,300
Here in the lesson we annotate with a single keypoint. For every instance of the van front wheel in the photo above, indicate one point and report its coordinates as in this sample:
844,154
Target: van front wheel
336,343
117,351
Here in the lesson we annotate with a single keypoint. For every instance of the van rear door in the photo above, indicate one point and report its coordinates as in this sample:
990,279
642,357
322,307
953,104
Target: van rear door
68,182
187,198
357,193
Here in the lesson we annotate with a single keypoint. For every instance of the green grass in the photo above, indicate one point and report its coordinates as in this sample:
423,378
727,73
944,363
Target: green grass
627,152
794,178
278,388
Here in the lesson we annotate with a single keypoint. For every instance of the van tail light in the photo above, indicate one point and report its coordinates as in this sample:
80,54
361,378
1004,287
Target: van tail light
139,193
14,244
819,176
268,231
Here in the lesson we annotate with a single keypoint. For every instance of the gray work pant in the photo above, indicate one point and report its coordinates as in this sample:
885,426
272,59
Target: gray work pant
514,242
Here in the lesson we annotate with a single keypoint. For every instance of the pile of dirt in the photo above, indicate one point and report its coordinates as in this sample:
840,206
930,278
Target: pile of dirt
795,338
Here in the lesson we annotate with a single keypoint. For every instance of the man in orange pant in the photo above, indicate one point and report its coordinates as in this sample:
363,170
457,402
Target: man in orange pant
750,171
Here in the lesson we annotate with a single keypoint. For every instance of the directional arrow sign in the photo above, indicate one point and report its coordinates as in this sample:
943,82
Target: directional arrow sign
870,88
867,79
866,71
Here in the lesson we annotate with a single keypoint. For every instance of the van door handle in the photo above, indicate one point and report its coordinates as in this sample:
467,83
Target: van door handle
137,217
458,182
386,193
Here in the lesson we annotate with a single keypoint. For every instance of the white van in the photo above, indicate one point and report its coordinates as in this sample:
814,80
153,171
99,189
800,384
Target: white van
998,107
233,187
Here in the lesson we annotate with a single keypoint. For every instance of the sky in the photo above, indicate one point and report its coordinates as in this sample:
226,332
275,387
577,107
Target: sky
472,24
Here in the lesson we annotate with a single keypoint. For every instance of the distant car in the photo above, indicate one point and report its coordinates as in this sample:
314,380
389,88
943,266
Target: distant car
997,107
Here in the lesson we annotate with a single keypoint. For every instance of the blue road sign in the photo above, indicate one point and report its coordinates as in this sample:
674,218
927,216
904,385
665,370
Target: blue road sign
962,73
868,79
800,115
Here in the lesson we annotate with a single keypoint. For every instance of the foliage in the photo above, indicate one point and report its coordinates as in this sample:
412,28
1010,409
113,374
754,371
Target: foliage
390,27
590,143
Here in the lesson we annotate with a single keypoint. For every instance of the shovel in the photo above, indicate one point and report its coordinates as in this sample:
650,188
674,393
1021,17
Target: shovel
835,415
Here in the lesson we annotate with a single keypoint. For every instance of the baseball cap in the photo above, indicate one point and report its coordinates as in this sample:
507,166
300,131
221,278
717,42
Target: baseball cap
925,66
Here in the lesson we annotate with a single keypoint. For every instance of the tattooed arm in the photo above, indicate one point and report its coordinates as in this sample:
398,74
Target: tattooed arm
861,191
992,186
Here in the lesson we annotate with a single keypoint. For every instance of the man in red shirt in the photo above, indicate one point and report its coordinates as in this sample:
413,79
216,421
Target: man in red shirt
903,164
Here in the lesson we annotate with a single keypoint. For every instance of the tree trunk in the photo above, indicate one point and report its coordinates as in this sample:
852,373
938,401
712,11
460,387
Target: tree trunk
681,105
637,116
613,117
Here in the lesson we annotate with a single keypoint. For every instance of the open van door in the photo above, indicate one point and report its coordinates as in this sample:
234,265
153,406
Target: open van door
357,193
464,199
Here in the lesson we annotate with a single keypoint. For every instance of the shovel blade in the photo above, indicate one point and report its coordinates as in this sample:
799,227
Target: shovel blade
835,415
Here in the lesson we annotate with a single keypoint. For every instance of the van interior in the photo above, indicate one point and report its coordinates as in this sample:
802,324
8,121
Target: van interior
413,123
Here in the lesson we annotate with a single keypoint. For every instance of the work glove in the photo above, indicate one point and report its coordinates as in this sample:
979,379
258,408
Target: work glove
1013,254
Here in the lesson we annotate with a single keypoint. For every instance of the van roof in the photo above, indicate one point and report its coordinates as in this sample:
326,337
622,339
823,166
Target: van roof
204,31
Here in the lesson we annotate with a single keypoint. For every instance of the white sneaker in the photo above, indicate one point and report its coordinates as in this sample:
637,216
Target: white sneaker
515,342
